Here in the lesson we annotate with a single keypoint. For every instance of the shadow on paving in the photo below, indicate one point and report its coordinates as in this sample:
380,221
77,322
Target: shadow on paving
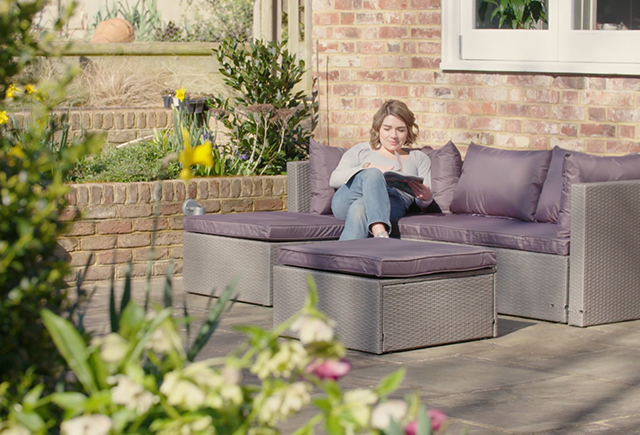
534,378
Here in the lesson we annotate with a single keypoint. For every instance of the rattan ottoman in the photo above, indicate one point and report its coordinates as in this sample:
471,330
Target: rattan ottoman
387,295
219,248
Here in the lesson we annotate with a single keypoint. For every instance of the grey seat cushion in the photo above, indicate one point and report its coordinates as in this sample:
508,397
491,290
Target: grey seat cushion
386,258
485,231
272,226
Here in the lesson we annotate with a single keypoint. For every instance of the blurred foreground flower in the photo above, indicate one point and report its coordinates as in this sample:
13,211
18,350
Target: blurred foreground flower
13,91
312,329
199,155
95,424
3,117
437,418
329,369
30,89
383,413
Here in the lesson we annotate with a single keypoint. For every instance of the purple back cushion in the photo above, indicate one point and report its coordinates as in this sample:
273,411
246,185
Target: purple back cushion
323,160
591,169
549,203
446,165
497,182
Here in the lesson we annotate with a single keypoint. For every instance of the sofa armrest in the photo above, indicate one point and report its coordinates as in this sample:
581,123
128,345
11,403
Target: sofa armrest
604,264
298,187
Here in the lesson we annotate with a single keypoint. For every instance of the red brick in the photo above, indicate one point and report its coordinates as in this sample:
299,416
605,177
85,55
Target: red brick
134,211
624,115
603,98
434,48
489,108
425,33
620,146
626,131
540,143
114,227
597,130
394,90
569,129
568,113
392,18
114,257
347,33
541,96
97,243
392,4
513,126
392,61
425,62
346,89
513,110
393,32
108,194
539,127
95,194
429,18
80,259
540,112
520,80
594,146
147,224
425,4
167,191
369,18
370,75
409,18
103,273
347,18
468,108
142,254
326,18
81,229
170,208
211,206
486,124
269,204
349,5
597,114
134,240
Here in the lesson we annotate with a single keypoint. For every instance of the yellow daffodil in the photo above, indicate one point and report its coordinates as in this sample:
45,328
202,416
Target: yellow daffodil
3,117
12,91
17,151
180,94
199,155
30,89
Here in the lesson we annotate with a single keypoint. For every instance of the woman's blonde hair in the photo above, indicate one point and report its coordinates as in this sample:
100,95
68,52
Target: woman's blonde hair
400,111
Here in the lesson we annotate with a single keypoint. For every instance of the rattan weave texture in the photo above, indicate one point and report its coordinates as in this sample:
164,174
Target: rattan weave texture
211,262
386,315
605,253
298,187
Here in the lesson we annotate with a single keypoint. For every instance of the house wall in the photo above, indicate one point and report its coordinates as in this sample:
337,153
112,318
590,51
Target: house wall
366,51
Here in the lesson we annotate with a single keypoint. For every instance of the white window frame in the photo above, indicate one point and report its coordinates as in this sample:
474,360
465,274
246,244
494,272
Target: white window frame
558,49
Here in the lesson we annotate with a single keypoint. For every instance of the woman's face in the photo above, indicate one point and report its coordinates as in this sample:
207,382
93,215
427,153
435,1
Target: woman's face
393,134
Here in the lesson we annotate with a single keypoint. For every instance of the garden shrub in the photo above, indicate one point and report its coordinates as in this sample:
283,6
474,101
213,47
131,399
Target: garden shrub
269,120
33,166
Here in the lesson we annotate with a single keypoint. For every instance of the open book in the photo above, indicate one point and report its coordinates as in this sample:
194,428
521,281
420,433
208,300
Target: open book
401,181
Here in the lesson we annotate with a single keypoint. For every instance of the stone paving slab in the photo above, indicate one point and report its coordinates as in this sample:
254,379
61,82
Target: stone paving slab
534,378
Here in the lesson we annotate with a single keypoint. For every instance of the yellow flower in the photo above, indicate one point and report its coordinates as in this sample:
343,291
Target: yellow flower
3,117
30,89
180,94
12,91
200,155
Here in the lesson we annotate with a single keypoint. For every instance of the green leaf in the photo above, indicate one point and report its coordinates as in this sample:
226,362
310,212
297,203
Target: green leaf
31,398
31,421
424,421
69,401
126,293
168,287
394,428
391,382
72,348
213,319
333,391
323,404
113,314
131,320
334,427
312,294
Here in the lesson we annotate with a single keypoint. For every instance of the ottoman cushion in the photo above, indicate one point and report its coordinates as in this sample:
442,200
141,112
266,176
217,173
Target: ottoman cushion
386,258
269,226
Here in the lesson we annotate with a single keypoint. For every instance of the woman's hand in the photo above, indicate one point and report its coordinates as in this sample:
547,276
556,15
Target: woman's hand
420,190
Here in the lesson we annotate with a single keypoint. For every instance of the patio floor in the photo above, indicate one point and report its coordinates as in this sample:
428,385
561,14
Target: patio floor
534,378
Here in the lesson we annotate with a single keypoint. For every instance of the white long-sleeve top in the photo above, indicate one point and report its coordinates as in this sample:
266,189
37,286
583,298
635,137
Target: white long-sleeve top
417,164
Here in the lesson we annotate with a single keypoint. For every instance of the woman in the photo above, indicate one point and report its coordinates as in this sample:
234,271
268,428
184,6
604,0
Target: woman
363,198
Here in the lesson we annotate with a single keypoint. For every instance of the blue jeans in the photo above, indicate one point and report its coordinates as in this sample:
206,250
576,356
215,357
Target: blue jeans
366,200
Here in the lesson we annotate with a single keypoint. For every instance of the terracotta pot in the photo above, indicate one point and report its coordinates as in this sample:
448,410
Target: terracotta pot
114,30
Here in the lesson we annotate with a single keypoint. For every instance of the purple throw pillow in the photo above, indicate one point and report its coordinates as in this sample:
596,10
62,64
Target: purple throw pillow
446,165
586,168
323,160
551,195
497,182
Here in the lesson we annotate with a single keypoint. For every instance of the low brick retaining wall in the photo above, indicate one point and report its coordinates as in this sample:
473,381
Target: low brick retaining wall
114,221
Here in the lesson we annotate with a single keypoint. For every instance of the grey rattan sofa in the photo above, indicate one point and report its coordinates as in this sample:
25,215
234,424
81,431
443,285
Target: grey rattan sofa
593,277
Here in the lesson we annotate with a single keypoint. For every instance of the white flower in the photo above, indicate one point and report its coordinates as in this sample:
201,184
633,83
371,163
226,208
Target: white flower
95,424
358,402
290,356
159,341
312,329
113,348
384,412
132,395
182,392
283,403
16,430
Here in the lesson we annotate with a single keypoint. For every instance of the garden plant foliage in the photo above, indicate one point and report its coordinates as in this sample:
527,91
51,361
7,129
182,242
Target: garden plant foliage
33,166
268,120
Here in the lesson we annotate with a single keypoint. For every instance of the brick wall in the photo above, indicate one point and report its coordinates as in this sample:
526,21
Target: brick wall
119,125
366,51
114,221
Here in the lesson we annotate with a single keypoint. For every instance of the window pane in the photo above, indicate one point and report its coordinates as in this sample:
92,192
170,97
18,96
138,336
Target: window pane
504,16
606,14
